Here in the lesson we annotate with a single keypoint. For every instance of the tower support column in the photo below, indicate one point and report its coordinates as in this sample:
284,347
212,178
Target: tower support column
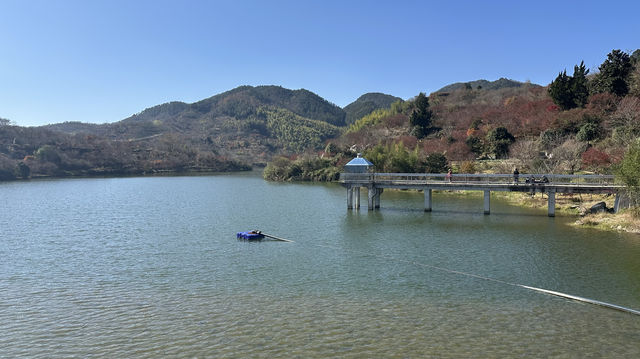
427,199
551,203
487,202
378,194
371,197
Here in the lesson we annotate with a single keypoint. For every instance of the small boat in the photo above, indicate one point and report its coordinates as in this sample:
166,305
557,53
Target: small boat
250,235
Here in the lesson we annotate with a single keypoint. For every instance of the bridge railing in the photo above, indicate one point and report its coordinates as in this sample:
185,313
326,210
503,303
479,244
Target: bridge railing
433,178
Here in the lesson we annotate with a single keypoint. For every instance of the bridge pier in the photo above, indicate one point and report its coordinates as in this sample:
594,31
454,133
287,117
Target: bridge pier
616,204
551,203
353,197
427,199
371,197
487,202
374,197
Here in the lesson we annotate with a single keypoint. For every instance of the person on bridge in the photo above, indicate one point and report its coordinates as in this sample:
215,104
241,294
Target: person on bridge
448,176
516,175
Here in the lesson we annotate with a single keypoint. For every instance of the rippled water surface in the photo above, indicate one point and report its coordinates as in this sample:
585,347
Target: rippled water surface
150,267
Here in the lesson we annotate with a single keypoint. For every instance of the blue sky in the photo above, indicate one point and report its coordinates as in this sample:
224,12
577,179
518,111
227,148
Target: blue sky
101,61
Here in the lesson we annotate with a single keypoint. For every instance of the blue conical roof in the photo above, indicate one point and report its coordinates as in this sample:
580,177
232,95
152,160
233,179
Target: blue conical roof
359,161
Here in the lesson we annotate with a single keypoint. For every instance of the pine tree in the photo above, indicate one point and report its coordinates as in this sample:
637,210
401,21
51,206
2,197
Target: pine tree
580,85
560,91
614,73
570,91
420,118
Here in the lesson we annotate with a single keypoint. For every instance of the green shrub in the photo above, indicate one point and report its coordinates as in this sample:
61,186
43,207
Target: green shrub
436,163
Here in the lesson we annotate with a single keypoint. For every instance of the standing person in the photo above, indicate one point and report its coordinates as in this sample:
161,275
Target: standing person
448,176
516,175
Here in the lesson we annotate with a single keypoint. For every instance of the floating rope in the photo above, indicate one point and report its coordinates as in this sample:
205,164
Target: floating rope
276,238
540,290
442,269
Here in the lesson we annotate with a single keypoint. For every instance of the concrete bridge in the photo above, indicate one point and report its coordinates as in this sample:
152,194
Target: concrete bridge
375,183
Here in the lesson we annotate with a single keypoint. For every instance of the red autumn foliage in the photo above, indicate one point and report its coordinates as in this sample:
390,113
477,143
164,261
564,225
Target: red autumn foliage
595,159
523,112
526,112
460,151
603,102
433,145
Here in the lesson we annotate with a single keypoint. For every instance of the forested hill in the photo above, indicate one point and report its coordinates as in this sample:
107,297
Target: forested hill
484,84
240,103
368,103
229,131
248,124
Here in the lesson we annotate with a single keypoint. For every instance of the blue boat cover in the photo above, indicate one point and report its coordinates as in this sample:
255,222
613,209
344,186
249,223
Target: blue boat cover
249,235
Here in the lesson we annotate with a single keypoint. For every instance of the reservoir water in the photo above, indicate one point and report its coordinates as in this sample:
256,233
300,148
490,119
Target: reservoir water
150,267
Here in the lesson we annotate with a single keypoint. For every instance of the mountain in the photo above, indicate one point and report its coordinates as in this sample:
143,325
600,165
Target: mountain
248,124
485,85
242,103
366,104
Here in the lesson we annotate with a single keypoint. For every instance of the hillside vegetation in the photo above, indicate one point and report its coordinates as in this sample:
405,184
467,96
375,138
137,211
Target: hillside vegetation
230,131
34,152
579,123
483,84
366,104
223,118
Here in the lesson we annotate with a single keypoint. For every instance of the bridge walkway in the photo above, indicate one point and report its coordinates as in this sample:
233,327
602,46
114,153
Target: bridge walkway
427,182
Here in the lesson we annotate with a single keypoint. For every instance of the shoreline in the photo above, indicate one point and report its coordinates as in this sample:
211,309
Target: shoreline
156,173
575,206
569,206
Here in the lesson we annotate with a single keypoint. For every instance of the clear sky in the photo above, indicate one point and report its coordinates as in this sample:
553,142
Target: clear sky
102,61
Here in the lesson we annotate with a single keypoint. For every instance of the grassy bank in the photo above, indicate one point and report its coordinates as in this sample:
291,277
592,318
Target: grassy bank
578,206
625,221
571,206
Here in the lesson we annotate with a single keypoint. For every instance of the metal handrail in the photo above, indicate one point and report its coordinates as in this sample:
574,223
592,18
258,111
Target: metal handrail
418,178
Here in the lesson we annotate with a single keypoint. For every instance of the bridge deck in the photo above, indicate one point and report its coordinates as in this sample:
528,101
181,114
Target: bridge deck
531,183
484,182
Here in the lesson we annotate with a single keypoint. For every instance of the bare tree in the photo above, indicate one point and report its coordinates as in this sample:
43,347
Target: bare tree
565,158
551,138
626,121
527,153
